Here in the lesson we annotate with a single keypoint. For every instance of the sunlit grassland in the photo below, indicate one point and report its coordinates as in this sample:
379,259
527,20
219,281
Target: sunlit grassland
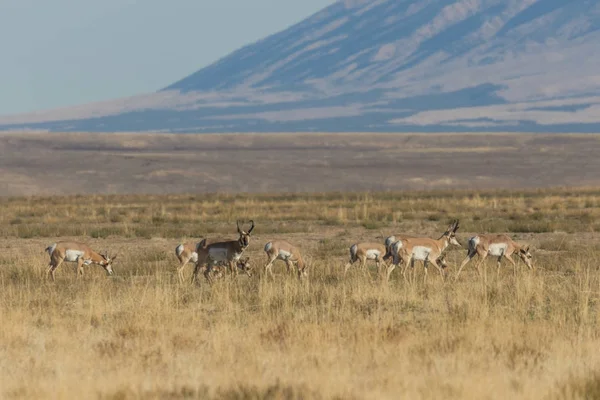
141,334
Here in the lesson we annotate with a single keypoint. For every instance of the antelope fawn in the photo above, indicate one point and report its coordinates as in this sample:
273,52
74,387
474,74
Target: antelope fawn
217,271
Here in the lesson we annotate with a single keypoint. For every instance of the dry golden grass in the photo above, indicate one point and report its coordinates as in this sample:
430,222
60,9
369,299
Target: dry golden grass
140,334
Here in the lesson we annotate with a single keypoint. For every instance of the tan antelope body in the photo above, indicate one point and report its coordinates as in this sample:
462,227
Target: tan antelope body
185,252
427,250
496,246
228,252
366,251
80,253
282,250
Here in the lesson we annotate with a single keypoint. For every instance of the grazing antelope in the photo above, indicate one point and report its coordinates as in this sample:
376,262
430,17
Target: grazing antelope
80,253
185,252
282,250
366,251
414,249
228,252
495,246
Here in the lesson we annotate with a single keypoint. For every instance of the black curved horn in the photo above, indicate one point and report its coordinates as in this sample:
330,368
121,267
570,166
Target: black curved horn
252,227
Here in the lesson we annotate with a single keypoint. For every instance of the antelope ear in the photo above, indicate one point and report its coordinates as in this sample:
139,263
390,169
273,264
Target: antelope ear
527,249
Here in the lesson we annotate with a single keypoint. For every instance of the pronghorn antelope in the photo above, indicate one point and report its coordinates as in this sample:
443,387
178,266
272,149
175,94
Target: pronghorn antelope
185,252
495,246
228,252
393,244
409,250
282,250
80,253
366,251
243,265
218,270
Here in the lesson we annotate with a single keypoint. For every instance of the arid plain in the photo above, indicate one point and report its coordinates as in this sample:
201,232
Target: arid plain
55,164
141,334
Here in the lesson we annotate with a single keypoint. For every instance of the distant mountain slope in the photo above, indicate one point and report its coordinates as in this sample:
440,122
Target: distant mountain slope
384,65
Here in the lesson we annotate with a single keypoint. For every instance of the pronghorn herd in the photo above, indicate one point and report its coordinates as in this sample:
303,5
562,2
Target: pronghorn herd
216,257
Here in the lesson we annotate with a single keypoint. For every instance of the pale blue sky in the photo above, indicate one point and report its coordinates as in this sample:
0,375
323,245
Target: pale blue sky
66,52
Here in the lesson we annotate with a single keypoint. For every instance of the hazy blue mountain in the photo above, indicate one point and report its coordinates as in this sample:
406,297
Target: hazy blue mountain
383,65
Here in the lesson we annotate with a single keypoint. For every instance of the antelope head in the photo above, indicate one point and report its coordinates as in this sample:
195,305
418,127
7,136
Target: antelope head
451,233
107,261
244,236
526,256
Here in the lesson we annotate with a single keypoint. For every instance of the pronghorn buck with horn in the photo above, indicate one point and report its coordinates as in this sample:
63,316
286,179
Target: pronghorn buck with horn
80,253
409,250
228,252
185,252
366,251
495,246
282,250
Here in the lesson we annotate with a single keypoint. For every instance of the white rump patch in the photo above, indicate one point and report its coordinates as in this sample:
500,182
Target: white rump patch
473,242
194,257
50,249
73,255
396,246
390,240
497,249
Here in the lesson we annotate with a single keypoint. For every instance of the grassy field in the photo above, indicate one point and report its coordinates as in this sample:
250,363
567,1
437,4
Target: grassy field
141,334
